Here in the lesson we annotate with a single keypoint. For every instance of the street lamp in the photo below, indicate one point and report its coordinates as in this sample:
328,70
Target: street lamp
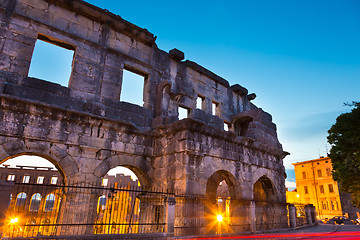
14,220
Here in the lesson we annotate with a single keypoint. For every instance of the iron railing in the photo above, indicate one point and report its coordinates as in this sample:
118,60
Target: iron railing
49,210
38,210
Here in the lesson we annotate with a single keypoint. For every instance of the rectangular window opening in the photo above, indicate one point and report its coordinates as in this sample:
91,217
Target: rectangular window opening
328,172
132,88
105,182
52,61
11,177
304,175
200,102
331,188
215,108
319,173
183,113
40,180
306,190
26,179
54,180
227,126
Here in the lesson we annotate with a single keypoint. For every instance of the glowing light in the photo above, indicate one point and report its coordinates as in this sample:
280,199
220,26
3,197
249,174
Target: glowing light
219,218
297,195
14,220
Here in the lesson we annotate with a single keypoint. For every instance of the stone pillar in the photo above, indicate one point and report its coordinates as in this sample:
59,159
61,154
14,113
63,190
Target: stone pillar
78,206
292,215
308,214
5,191
170,216
252,216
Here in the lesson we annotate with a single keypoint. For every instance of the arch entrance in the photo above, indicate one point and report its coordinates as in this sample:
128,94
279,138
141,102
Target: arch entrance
264,197
222,195
35,196
126,204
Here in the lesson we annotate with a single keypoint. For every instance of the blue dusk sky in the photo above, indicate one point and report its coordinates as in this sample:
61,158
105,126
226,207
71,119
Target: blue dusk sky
300,57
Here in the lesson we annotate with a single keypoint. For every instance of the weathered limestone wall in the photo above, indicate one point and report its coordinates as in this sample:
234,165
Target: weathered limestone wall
85,130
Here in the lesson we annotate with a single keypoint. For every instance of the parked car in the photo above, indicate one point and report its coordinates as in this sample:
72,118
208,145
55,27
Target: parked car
339,220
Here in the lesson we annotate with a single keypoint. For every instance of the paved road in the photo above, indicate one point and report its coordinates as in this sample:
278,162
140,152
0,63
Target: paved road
321,231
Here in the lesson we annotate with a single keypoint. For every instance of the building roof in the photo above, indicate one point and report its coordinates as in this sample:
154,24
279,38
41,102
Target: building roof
314,160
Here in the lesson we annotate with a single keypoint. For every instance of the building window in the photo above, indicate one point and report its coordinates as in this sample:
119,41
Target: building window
322,189
227,126
49,202
215,108
304,175
102,203
20,200
26,179
200,103
35,202
319,173
54,180
183,113
105,182
337,205
40,180
11,177
328,172
331,188
132,88
306,190
59,58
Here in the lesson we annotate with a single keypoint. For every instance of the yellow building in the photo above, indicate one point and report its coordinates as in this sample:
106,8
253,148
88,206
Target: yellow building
315,185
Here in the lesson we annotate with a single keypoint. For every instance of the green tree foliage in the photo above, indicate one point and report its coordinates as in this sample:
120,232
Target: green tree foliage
344,137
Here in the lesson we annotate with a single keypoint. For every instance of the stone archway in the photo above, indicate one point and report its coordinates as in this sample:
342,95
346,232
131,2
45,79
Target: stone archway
264,196
137,164
218,202
65,164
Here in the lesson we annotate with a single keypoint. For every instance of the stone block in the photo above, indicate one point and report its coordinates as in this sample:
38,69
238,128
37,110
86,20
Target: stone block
40,4
83,83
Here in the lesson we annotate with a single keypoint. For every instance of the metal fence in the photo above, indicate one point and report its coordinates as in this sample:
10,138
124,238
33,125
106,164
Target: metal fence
80,209
50,210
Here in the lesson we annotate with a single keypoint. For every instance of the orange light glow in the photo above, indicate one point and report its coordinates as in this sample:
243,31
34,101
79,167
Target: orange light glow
14,220
219,218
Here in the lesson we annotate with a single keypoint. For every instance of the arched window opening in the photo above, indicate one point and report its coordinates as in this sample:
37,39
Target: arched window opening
49,202
21,199
101,204
35,202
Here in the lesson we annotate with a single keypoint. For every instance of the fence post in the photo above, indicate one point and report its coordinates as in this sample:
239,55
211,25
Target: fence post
292,215
170,216
252,217
5,191
308,214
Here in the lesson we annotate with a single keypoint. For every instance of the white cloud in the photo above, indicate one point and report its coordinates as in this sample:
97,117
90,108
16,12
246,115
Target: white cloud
290,184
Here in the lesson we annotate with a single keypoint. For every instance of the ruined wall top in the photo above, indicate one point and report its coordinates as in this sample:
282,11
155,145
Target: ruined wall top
105,45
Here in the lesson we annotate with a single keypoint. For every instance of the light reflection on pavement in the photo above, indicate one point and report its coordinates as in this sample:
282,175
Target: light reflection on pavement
321,231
